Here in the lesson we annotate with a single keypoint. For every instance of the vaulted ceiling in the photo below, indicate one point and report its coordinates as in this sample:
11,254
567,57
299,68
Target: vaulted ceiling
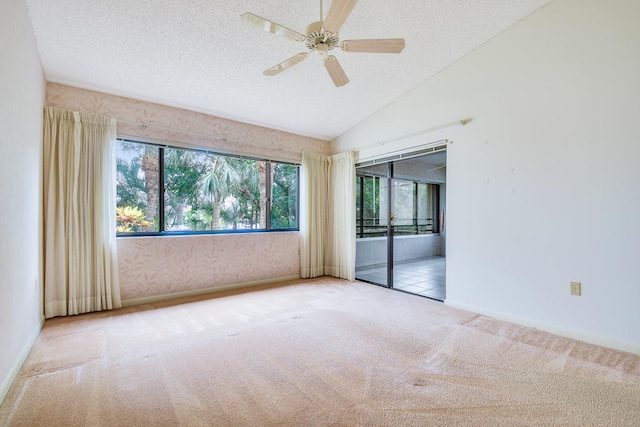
199,54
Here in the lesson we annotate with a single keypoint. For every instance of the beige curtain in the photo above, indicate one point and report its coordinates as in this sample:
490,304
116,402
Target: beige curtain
327,215
313,214
340,247
81,272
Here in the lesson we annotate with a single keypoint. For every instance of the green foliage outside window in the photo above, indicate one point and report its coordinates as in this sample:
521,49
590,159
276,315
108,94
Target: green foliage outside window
202,191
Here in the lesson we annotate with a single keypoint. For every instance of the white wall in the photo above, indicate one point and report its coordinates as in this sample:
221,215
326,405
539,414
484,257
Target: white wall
543,185
21,102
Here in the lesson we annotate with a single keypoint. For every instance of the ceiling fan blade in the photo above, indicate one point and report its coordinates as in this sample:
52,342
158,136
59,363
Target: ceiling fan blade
285,64
338,13
373,45
272,27
335,71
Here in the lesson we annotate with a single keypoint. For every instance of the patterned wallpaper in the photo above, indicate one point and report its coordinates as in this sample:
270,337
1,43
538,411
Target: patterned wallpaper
154,121
153,266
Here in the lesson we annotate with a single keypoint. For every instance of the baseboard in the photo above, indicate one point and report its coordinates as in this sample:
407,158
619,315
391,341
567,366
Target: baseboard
203,291
7,382
549,327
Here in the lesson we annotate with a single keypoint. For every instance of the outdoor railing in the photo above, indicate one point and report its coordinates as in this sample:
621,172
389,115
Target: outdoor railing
371,227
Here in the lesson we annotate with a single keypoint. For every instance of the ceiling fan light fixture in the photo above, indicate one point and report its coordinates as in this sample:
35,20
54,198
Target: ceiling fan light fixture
322,50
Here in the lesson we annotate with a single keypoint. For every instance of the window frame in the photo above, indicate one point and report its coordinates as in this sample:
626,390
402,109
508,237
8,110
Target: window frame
161,197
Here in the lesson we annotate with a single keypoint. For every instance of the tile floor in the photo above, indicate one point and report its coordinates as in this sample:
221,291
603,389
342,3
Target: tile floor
424,277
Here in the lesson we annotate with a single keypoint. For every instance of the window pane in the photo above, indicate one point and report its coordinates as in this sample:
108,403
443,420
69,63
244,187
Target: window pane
358,193
423,201
425,208
244,206
371,200
212,192
373,222
186,207
383,194
136,187
284,196
403,204
201,191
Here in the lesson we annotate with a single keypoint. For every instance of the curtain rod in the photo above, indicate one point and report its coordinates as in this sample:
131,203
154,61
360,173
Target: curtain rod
209,135
420,132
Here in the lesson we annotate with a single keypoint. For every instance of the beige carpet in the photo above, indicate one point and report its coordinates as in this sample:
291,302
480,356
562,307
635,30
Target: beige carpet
315,353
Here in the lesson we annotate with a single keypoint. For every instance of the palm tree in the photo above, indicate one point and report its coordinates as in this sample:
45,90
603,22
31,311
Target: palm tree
231,214
248,191
150,167
284,195
262,173
254,189
216,184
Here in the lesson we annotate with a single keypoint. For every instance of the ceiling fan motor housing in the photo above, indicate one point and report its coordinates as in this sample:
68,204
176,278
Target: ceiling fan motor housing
318,38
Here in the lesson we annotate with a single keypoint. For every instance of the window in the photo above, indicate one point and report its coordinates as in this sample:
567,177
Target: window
201,191
415,207
371,206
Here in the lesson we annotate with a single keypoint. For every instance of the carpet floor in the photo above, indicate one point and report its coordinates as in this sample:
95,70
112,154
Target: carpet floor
315,353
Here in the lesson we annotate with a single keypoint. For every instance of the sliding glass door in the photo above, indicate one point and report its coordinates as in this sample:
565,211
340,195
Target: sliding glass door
373,224
399,241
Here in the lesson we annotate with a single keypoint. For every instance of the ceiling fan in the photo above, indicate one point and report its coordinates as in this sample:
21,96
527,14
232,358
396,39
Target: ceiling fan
321,37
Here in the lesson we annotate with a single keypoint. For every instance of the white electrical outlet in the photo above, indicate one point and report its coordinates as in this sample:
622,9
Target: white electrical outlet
576,288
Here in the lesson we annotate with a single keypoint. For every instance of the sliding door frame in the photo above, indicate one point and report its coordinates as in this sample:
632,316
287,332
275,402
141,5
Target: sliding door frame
390,200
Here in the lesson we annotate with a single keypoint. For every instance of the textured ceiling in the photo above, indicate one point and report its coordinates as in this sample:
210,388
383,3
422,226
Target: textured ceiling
199,55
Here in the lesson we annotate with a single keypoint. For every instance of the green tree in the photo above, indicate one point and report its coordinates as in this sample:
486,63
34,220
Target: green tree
231,215
371,194
182,170
131,189
150,166
248,192
133,185
262,178
205,191
284,195
216,184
